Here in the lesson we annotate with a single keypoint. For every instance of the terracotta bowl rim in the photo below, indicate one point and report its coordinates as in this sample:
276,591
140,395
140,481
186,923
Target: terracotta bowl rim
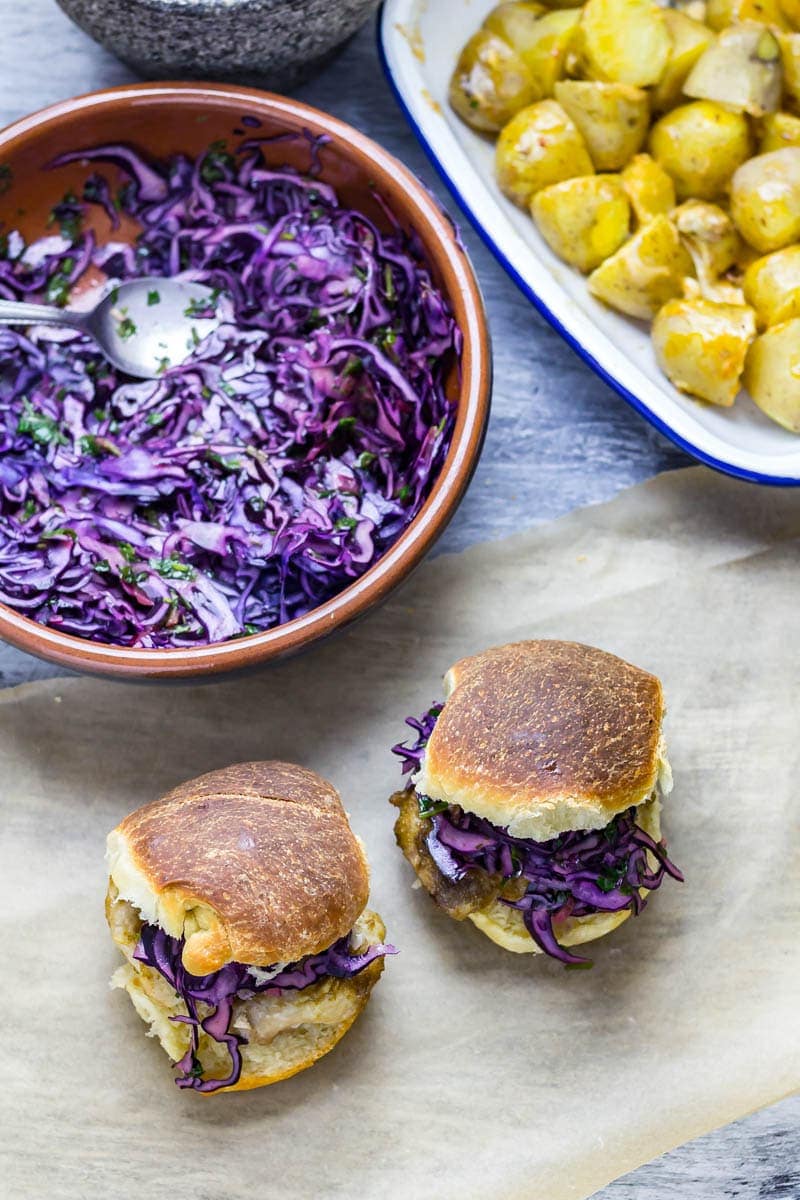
452,264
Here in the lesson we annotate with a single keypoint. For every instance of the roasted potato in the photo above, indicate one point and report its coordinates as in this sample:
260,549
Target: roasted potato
779,130
649,188
772,374
623,41
613,118
772,286
708,233
644,273
791,11
741,71
701,347
700,145
790,58
490,83
765,199
689,39
547,55
722,13
539,146
583,220
514,23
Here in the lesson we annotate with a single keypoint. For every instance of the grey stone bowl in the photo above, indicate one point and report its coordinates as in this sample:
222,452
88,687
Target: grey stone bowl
271,43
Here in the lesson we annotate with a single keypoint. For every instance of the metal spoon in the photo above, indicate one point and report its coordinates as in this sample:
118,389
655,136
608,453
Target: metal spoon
142,326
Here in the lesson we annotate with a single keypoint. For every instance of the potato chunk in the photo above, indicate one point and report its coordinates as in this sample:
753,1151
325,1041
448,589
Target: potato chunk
772,375
623,41
583,220
490,83
708,233
790,58
779,130
700,145
765,199
539,146
741,71
613,118
722,13
689,39
701,347
547,55
772,286
650,189
646,272
514,23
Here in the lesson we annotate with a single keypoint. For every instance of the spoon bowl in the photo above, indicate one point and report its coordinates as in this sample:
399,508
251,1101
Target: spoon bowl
143,326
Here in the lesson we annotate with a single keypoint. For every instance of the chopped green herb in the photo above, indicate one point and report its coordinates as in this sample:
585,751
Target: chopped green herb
153,297
216,162
127,551
29,509
353,366
154,418
388,282
404,492
173,568
128,575
365,459
428,807
126,328
345,423
39,426
287,235
61,532
346,523
163,365
102,566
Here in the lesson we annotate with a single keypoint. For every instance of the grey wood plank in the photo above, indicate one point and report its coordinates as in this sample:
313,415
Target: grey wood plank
558,438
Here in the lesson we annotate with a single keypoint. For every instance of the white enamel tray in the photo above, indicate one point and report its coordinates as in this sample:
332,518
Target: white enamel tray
419,41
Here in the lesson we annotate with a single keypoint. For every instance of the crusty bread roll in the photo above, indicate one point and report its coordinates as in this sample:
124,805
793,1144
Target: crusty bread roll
255,864
541,739
545,736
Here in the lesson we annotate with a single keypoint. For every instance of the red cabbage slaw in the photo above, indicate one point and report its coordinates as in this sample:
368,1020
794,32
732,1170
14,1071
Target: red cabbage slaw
577,874
163,953
249,485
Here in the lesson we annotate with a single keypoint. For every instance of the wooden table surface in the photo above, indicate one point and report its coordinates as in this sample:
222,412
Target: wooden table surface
558,438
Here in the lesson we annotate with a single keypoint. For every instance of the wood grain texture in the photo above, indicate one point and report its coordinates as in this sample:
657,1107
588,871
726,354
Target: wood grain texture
558,438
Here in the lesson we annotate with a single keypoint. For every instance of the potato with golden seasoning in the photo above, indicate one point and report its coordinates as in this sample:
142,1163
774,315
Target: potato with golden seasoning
514,23
547,56
790,58
708,233
772,286
765,199
700,145
722,13
649,188
539,146
791,11
623,41
689,38
490,83
644,273
583,220
779,130
612,117
701,347
772,374
741,71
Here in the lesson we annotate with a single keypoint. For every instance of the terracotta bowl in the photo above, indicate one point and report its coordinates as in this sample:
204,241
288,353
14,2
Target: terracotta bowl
162,119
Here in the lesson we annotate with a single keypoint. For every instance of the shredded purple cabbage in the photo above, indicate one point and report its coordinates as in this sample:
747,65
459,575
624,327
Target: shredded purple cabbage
412,754
163,953
574,875
246,487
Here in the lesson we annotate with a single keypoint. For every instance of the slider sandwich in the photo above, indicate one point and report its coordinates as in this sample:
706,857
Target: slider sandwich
535,794
238,901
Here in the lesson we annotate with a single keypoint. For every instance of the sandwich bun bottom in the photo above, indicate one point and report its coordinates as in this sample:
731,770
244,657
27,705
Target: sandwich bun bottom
505,926
285,1034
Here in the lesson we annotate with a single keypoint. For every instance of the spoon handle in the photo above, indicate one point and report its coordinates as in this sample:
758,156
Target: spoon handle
17,312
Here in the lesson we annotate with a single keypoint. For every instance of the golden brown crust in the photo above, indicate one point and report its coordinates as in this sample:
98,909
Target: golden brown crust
255,863
545,736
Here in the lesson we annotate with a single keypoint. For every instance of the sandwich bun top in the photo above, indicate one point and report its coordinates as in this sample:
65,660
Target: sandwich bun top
255,863
543,737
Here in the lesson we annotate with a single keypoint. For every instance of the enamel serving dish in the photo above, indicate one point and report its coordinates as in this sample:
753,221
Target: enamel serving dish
419,42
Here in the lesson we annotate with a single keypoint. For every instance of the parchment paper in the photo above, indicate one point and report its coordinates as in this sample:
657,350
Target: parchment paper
473,1073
